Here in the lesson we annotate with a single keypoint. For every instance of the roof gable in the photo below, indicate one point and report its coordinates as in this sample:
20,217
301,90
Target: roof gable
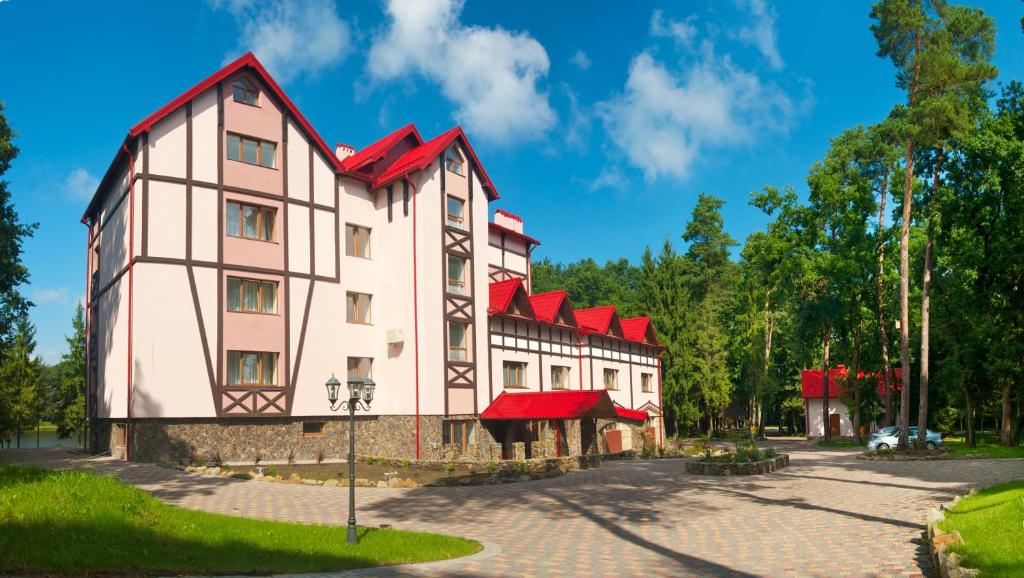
553,307
378,150
601,320
639,329
509,297
420,158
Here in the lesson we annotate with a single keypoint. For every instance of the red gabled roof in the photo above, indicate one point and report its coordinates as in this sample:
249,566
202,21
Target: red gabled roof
380,148
420,157
638,329
248,60
546,305
812,381
509,215
512,233
630,414
502,293
595,319
551,405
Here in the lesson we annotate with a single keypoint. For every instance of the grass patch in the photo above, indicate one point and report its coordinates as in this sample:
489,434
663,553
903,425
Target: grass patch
841,443
985,449
68,522
991,523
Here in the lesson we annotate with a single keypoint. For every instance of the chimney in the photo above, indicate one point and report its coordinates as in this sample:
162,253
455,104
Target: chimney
343,151
508,220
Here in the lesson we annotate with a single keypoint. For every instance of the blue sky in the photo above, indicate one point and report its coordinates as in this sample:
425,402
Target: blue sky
598,123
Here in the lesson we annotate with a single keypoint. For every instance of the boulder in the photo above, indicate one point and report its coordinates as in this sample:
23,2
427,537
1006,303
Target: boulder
295,479
363,483
393,481
332,483
213,471
382,484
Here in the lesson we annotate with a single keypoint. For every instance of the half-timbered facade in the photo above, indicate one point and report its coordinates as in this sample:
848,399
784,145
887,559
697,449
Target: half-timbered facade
235,262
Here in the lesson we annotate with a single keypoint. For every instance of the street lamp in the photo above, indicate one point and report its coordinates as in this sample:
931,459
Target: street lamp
360,394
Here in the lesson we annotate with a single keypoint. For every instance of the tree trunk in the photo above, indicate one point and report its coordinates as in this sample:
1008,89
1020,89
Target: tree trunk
926,287
769,327
1006,433
826,430
970,441
711,423
879,283
856,383
908,198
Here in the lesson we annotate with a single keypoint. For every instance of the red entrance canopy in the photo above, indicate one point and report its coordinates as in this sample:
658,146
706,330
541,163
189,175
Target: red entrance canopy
630,414
551,405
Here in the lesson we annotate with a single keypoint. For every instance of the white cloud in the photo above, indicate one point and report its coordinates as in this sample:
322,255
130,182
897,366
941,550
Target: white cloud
683,31
44,296
580,60
577,130
608,178
663,121
762,33
80,184
290,37
490,74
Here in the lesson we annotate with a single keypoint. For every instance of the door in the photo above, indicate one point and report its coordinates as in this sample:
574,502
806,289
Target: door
613,440
833,424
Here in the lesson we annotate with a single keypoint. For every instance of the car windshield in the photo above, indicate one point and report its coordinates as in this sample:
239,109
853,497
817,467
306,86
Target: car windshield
886,430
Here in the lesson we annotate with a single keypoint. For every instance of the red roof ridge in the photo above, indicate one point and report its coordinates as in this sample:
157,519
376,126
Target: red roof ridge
380,147
501,293
513,232
509,215
420,158
546,305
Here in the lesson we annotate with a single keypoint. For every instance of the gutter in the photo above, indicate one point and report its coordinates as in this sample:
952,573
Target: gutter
415,311
131,269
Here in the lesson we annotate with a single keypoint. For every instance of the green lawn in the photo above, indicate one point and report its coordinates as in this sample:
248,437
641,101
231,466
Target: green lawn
991,523
987,448
70,522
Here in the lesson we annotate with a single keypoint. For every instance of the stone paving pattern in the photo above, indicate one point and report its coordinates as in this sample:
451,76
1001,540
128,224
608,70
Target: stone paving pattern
827,514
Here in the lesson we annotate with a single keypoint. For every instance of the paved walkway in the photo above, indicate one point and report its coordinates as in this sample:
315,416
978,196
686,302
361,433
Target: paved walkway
828,514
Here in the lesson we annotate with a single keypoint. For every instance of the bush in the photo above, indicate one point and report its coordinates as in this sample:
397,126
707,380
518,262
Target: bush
492,466
271,471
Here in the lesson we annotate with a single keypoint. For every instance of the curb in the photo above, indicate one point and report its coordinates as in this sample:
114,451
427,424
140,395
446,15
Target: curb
948,564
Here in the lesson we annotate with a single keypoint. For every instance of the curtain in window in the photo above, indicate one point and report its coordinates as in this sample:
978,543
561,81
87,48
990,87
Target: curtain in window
250,150
269,368
269,297
250,368
234,377
249,221
267,234
234,295
250,296
234,220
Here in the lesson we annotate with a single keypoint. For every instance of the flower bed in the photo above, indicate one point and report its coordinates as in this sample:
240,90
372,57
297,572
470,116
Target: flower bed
716,467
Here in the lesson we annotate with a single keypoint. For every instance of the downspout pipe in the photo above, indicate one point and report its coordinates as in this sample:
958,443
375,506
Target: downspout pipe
131,268
415,311
661,405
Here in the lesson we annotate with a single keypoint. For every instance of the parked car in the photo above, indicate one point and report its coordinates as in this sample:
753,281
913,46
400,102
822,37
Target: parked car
887,437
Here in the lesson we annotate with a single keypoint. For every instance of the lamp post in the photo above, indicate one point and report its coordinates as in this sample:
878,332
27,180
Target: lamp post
360,394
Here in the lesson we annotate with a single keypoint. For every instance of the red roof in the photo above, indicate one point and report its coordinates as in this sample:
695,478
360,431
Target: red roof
248,60
512,233
637,328
420,157
509,215
630,414
812,381
546,305
501,294
551,405
595,319
380,148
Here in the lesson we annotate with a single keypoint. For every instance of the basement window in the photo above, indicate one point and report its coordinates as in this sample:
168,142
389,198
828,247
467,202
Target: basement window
312,428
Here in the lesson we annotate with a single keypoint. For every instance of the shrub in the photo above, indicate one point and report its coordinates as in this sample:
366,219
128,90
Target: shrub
321,453
257,458
291,455
492,466
369,461
450,468
271,470
406,464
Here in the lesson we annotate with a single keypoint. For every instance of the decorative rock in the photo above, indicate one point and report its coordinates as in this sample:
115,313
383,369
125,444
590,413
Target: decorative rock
213,471
388,476
309,482
295,479
409,483
363,483
332,483
393,482
524,478
382,484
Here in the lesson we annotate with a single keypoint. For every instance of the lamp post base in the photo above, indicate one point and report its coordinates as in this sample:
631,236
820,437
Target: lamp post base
351,536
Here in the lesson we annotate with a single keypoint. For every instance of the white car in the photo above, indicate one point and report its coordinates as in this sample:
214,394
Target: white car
888,437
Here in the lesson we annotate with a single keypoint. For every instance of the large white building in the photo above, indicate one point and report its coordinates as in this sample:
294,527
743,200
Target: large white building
236,262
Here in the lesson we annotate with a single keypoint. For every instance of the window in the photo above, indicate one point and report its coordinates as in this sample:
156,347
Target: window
251,221
459,435
252,296
611,379
453,161
536,429
457,341
514,374
245,91
559,377
312,428
646,382
357,241
252,151
456,275
455,212
252,368
357,307
360,367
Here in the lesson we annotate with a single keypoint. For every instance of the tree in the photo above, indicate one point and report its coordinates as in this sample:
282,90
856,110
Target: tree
70,403
941,54
20,373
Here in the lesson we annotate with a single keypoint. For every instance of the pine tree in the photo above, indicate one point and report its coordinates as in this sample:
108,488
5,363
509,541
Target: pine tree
71,388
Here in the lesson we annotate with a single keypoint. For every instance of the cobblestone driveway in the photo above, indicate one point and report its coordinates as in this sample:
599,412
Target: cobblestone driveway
828,514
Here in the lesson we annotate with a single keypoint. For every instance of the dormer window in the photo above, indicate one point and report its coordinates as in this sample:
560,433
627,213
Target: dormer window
245,91
453,161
